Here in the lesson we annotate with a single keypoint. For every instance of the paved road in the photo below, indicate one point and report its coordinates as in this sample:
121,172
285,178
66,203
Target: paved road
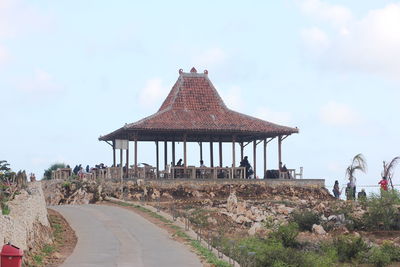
112,236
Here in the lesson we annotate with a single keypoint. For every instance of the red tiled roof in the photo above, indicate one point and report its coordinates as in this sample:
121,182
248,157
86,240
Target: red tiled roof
194,105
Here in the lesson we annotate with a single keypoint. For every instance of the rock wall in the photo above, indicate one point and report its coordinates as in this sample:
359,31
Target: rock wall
27,225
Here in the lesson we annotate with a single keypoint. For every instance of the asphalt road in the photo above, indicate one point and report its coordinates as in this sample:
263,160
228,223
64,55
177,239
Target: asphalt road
112,236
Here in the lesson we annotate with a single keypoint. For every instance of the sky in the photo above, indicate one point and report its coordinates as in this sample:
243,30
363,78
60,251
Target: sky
71,71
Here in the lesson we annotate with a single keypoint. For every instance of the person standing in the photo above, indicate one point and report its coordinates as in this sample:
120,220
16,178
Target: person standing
336,190
384,184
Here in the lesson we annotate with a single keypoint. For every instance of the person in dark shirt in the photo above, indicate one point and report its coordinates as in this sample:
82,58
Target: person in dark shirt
362,195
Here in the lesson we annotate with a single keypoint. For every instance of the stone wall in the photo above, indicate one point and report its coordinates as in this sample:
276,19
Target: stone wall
267,182
27,225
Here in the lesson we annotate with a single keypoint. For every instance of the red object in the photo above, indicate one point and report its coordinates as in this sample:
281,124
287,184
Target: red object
11,256
384,184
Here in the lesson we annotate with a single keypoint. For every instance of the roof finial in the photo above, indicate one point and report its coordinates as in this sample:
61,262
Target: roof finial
193,70
180,71
205,71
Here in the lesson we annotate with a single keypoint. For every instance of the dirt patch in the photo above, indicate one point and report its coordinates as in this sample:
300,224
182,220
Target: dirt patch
64,239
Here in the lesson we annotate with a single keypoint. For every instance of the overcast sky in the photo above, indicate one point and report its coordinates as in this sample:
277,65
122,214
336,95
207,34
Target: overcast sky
73,70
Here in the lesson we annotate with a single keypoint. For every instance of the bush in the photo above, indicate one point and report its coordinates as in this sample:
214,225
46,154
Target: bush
392,250
382,211
287,234
305,219
5,210
53,167
349,247
379,257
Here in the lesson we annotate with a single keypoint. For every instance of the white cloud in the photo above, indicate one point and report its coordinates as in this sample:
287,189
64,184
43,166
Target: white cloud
39,82
153,93
338,16
337,114
315,39
370,44
210,58
279,117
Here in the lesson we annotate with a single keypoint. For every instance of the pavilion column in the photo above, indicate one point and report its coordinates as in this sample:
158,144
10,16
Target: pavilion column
211,154
135,155
241,151
165,155
265,157
120,157
173,153
184,151
280,152
157,160
233,156
201,150
114,155
255,158
127,161
220,154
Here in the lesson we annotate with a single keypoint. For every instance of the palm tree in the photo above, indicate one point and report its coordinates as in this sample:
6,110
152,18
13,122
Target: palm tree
388,170
358,163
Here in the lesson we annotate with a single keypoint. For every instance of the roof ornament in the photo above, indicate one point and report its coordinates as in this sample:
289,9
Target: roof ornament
180,71
206,72
193,70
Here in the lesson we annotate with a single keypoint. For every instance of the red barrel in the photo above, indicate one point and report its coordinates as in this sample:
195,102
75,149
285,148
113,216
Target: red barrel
11,256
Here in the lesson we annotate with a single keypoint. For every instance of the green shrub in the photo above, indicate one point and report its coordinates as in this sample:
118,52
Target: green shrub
379,257
392,250
349,247
66,185
287,234
305,219
5,209
382,212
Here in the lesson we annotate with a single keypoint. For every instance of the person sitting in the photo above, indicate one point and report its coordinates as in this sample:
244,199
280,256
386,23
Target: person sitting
179,163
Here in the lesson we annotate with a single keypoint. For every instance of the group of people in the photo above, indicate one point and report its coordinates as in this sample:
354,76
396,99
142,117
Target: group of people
79,170
350,190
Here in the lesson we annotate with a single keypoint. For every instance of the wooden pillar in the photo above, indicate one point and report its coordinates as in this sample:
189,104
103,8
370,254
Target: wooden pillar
184,152
120,157
201,150
265,157
135,154
241,151
127,161
255,158
157,160
233,153
220,154
280,152
211,154
173,153
165,155
114,155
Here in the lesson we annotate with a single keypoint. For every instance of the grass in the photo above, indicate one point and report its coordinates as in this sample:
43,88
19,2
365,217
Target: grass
204,252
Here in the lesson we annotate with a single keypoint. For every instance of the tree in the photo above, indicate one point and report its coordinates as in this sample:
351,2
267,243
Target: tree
358,163
53,167
388,170
5,171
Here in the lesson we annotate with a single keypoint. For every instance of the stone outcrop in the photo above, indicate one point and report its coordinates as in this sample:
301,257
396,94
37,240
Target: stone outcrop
27,224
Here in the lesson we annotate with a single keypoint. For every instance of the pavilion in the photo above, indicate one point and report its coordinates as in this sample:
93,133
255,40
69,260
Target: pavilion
194,112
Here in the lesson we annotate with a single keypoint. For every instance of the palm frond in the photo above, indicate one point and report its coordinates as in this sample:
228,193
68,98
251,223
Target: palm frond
390,166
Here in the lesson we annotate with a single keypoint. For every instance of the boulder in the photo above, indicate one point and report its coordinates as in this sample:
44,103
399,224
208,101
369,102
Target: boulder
255,228
241,208
318,229
242,219
231,203
212,221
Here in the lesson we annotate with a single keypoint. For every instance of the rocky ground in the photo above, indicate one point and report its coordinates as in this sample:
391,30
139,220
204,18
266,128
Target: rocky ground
234,209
